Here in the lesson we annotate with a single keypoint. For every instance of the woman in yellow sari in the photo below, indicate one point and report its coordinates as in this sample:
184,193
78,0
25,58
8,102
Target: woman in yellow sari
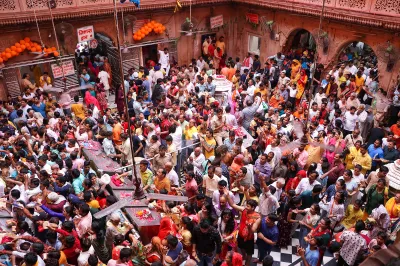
393,207
295,69
353,153
301,84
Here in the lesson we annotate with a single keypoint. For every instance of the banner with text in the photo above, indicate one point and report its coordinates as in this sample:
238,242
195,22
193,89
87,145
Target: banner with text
216,21
68,67
85,34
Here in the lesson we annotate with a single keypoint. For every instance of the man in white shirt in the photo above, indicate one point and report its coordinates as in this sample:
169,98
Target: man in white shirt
81,134
250,90
197,158
362,116
319,96
350,121
268,203
307,183
18,193
200,63
104,79
164,60
171,174
313,111
176,135
283,80
222,184
352,68
278,184
87,250
65,102
230,119
158,74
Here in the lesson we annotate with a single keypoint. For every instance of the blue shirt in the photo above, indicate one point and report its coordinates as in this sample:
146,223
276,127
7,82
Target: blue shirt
147,85
41,109
312,257
13,115
331,191
375,153
202,87
270,232
77,184
83,82
210,87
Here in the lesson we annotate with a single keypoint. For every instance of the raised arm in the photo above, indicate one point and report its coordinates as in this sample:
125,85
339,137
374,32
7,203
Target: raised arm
231,203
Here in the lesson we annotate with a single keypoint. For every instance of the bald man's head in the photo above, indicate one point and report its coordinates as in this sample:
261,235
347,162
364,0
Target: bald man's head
168,166
197,151
190,263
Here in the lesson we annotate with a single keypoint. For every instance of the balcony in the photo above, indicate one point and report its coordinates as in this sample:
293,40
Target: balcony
376,13
22,11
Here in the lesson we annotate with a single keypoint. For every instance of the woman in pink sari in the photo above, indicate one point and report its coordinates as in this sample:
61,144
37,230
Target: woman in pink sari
89,99
335,145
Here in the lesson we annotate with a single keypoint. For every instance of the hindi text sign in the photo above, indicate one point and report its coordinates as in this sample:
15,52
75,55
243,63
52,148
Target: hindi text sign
69,69
216,21
85,34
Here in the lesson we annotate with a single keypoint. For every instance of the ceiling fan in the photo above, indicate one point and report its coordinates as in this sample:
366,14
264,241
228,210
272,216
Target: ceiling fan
42,53
188,26
138,199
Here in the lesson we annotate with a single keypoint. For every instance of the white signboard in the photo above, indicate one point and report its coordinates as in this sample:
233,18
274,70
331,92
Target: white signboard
85,34
68,67
216,21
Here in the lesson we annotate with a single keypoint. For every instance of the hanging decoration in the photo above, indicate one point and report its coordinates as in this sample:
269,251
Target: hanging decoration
152,26
178,6
23,45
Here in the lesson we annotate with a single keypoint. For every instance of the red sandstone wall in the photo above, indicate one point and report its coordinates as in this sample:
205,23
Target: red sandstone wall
236,33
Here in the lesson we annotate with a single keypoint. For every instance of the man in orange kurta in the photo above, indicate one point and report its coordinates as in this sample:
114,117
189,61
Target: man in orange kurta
396,131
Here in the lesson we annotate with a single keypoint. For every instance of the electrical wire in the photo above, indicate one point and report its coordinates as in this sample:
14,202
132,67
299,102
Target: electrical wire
37,24
58,46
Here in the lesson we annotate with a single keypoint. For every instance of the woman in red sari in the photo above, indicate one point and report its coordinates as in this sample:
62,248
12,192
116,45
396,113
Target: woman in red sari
322,230
228,230
217,58
89,99
120,99
167,227
101,96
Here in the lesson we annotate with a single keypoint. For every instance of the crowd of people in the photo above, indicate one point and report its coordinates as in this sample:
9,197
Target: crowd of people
319,163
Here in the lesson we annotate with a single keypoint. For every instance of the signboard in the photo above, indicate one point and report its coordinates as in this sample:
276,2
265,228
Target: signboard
68,66
85,34
253,18
216,21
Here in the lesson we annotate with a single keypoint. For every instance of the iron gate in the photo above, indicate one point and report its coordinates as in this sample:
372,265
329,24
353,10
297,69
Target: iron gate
131,59
11,81
113,58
